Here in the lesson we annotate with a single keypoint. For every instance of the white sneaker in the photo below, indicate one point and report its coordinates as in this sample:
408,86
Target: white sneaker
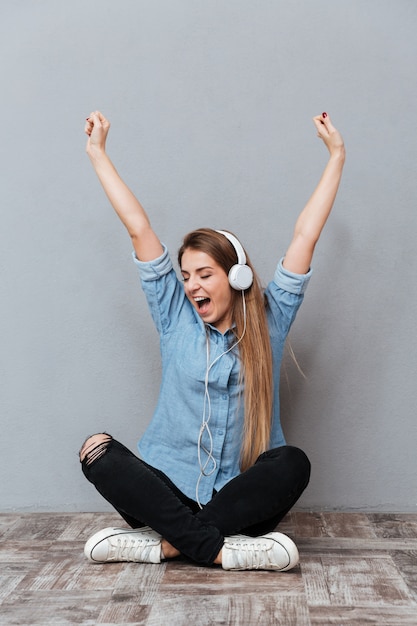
141,545
271,551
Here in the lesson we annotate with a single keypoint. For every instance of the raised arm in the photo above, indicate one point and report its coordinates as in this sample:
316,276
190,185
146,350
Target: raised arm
312,219
145,242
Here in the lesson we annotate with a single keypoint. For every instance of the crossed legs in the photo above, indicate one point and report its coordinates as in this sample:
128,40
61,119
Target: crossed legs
252,504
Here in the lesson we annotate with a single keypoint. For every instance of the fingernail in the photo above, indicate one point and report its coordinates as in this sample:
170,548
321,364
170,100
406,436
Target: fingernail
324,114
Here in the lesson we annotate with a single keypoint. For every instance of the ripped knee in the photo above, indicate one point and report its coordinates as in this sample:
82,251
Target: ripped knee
94,447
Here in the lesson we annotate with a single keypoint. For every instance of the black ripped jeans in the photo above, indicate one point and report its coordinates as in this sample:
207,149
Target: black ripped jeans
252,504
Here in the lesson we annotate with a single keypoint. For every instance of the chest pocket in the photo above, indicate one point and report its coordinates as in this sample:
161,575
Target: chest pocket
190,357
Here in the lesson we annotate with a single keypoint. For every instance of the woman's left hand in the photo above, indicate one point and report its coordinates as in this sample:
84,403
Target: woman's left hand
329,134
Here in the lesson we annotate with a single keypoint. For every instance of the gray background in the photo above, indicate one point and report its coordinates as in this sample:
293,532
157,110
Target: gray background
211,104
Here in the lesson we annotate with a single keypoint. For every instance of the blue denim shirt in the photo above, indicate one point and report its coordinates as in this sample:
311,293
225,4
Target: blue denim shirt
170,441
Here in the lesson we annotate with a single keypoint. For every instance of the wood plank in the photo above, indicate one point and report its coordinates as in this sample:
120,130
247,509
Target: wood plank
355,582
333,524
361,615
23,552
8,521
406,562
47,607
81,526
9,582
241,610
352,525
318,544
308,524
125,611
88,576
181,577
141,580
394,524
39,526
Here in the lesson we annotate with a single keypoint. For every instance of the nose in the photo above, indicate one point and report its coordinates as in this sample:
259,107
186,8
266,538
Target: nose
193,284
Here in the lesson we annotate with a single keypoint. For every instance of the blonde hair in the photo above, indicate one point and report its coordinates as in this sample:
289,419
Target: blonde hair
254,348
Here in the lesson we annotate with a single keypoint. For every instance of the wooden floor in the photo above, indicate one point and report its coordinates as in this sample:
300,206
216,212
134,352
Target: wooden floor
355,569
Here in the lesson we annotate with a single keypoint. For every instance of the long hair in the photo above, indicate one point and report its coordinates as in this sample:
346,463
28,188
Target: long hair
254,349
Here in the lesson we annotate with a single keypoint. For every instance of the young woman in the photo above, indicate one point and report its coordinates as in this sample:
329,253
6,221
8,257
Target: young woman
214,477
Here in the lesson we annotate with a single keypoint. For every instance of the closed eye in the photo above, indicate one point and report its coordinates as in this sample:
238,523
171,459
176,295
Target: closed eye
185,278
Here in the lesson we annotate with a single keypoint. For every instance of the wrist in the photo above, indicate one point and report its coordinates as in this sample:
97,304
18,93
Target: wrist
95,152
338,154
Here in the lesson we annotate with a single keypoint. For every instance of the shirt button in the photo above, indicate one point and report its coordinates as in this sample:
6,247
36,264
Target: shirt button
220,432
224,396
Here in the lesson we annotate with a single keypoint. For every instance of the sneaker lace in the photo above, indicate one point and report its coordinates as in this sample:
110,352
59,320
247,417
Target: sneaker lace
253,555
129,548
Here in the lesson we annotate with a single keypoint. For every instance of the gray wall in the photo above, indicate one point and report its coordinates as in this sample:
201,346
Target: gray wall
211,104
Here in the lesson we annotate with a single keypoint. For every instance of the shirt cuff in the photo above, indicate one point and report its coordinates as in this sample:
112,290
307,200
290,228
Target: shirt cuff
152,270
288,281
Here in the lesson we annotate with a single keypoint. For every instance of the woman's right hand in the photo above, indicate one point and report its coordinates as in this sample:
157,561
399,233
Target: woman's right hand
145,242
97,128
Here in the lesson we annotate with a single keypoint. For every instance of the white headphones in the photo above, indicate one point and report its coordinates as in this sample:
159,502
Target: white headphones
240,274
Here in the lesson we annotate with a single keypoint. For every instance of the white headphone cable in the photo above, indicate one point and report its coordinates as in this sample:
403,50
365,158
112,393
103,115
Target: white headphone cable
207,409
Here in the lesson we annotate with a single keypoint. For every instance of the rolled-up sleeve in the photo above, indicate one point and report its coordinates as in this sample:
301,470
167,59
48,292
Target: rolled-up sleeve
164,293
288,281
153,270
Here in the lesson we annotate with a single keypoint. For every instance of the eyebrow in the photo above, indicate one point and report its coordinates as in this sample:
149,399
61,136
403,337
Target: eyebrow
199,269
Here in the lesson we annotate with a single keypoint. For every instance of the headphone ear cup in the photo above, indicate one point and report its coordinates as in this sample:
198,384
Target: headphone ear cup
240,277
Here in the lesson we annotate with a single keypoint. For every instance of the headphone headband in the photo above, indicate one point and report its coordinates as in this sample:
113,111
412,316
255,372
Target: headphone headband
241,256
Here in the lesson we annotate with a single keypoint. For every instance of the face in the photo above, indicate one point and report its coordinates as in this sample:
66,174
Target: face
207,287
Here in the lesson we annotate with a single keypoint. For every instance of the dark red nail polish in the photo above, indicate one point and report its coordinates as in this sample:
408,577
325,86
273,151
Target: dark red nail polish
324,114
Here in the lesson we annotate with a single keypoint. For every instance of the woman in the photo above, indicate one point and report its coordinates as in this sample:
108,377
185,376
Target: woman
215,476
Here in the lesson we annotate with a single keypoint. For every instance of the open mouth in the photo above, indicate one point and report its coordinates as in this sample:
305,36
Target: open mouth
202,304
